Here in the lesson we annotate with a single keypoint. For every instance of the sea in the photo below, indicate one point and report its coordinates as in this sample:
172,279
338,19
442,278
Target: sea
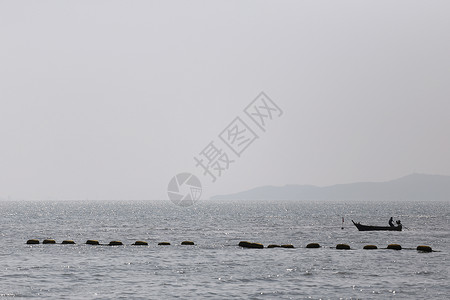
216,267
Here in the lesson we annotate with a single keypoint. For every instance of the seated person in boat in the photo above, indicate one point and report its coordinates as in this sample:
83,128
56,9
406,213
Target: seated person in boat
391,222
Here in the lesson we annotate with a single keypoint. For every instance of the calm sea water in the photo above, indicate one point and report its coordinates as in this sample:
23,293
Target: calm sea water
216,268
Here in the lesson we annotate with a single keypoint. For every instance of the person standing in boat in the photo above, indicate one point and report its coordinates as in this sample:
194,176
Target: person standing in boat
391,222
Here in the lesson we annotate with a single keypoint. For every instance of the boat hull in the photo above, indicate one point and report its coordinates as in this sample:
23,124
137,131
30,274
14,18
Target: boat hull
377,228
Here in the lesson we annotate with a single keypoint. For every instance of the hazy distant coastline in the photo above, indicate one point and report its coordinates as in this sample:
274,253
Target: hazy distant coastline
414,187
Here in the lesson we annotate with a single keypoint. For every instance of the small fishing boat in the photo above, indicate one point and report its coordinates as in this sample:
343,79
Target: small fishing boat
377,228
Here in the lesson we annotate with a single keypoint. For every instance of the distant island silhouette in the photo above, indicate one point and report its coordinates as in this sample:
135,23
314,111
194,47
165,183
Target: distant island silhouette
414,187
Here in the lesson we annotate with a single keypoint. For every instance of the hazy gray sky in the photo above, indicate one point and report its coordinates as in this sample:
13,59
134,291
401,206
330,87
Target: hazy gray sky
110,99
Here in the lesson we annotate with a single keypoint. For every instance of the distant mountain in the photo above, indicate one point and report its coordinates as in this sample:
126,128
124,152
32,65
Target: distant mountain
415,187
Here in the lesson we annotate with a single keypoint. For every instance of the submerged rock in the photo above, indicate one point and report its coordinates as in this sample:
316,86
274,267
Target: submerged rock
67,242
115,243
49,242
394,247
92,242
187,243
370,247
246,244
140,243
424,248
342,247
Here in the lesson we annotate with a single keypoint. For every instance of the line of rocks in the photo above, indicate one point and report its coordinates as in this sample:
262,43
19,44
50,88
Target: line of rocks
246,244
95,242
243,244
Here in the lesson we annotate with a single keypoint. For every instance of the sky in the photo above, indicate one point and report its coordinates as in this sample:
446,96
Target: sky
108,100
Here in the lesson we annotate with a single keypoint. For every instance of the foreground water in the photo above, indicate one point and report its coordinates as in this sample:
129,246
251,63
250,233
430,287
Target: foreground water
216,268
